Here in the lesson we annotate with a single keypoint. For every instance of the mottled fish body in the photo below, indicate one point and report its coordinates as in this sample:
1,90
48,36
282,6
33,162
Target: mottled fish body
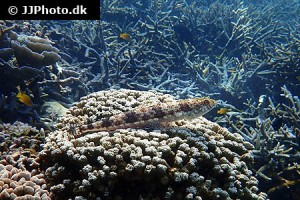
145,116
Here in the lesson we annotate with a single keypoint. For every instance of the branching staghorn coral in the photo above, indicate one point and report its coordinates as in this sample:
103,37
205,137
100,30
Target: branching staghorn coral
273,128
232,46
239,39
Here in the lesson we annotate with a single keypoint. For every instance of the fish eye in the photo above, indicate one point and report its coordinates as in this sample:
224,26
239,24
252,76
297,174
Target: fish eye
206,102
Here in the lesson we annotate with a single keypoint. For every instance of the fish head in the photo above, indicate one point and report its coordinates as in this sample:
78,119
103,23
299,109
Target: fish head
202,105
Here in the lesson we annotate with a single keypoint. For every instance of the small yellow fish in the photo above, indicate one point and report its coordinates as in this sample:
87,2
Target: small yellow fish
124,36
205,71
222,111
24,98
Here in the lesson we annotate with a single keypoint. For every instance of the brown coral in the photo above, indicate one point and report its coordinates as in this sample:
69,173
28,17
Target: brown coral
20,175
21,184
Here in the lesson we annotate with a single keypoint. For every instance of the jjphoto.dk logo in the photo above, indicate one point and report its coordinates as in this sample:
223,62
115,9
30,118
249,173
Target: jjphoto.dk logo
43,10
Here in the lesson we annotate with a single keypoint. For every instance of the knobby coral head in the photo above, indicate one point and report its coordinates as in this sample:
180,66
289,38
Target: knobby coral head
196,159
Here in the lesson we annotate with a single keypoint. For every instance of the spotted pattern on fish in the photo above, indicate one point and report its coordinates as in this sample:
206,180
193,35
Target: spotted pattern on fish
159,114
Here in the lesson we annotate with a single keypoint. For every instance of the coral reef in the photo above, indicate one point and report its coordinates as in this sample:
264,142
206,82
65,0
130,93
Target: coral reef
29,50
273,129
20,175
19,137
191,160
25,55
31,59
21,184
243,53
